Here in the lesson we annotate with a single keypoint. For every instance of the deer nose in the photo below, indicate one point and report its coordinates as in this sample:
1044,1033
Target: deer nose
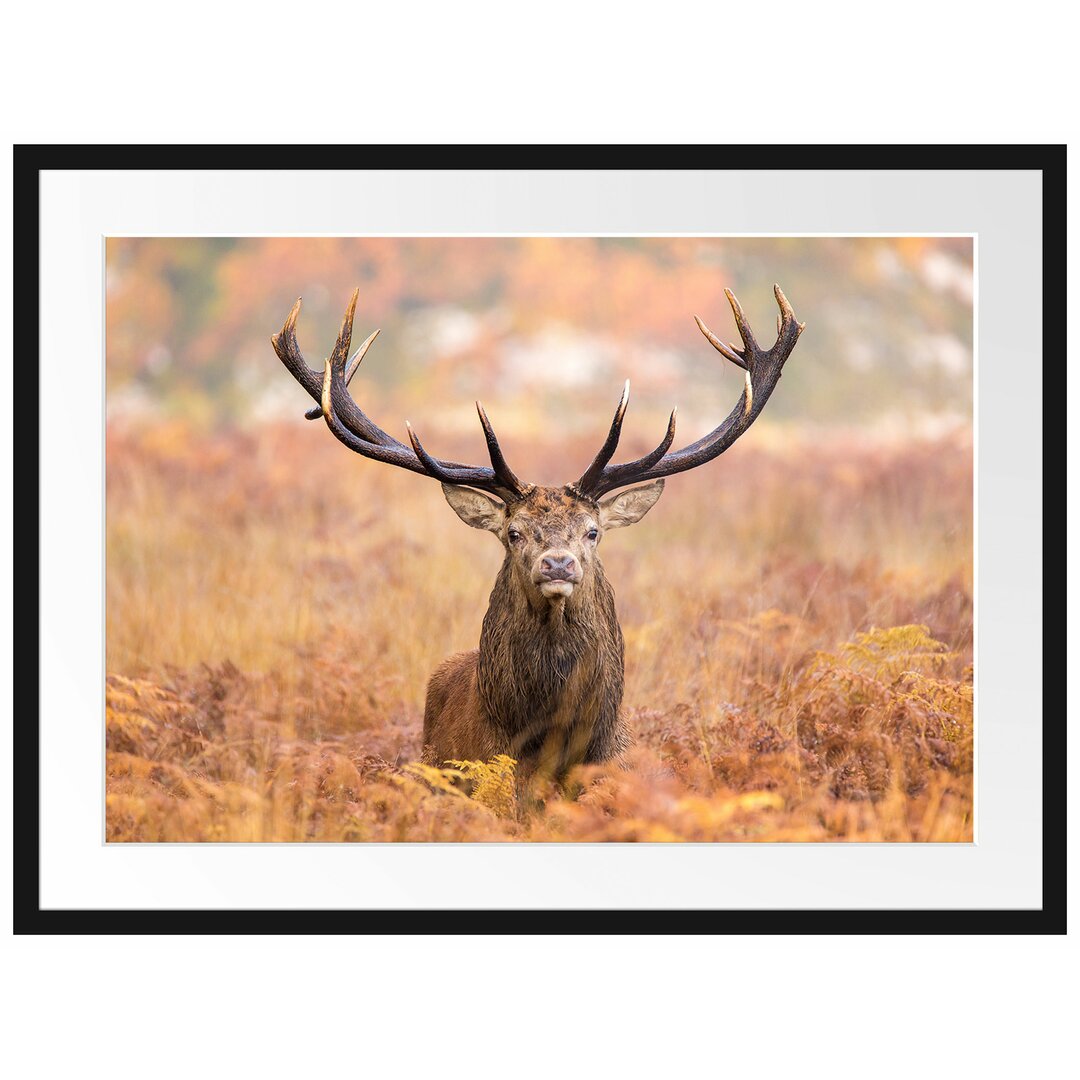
558,567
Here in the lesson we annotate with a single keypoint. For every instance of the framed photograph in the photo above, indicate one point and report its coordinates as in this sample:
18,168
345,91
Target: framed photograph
364,584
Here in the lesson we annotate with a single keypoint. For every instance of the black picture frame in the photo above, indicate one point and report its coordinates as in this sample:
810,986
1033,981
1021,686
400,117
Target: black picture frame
28,915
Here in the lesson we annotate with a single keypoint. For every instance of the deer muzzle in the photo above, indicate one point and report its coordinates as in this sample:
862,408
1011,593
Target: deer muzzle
556,573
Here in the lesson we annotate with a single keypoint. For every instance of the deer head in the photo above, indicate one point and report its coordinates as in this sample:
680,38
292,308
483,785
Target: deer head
551,534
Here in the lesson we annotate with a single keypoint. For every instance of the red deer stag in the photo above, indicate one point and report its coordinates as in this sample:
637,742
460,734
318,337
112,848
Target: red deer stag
546,684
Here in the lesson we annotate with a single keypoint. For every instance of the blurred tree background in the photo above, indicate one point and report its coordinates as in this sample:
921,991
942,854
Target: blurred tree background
536,326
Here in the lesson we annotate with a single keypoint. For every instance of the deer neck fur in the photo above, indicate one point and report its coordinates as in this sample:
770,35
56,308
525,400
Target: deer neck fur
548,665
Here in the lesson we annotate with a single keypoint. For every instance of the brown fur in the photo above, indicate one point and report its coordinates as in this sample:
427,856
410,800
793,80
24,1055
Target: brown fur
546,684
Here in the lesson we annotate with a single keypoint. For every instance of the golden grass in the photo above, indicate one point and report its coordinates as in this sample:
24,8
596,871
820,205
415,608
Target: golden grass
275,606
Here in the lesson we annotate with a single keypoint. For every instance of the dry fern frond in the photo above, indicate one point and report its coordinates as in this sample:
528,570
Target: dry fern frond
889,651
493,783
951,703
443,781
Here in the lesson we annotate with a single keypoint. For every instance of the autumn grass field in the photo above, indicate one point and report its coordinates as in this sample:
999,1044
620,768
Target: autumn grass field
798,621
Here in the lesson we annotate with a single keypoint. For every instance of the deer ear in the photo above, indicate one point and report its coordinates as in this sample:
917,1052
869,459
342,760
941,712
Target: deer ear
629,506
475,508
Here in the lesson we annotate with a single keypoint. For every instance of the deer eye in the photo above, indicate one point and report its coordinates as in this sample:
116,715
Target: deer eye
513,535
592,534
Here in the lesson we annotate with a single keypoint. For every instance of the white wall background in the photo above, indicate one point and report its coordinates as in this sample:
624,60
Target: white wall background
784,71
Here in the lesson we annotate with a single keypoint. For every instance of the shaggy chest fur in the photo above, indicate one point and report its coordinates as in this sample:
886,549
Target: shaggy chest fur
551,678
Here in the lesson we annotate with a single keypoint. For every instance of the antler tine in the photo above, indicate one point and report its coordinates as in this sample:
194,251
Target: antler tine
788,321
288,351
316,412
729,352
762,372
632,468
344,338
782,300
506,486
611,443
358,356
502,470
432,466
749,341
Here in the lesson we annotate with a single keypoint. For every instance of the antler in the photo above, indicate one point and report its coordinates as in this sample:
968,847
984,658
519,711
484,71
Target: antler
358,432
763,369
